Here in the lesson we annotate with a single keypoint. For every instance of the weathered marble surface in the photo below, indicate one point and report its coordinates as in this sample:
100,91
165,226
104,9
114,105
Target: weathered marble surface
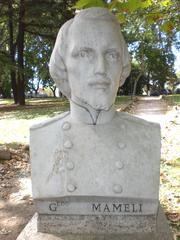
162,233
99,224
96,206
94,151
90,59
117,159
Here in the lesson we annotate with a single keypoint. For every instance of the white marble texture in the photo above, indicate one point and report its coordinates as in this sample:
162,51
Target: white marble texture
119,159
94,150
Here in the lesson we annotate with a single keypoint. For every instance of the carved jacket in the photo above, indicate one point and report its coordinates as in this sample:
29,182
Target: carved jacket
118,159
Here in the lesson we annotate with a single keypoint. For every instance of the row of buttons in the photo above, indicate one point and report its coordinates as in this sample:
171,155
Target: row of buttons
68,144
70,165
116,188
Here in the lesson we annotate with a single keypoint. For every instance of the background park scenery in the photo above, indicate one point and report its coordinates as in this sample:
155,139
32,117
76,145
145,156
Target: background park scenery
28,95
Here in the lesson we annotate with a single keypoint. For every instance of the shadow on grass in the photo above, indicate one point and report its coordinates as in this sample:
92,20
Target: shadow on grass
34,108
37,107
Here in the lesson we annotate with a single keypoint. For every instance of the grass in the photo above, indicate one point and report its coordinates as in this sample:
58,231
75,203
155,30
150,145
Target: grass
173,99
122,99
15,121
34,108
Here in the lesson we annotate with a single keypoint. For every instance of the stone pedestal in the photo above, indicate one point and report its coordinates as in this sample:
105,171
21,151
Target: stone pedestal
161,232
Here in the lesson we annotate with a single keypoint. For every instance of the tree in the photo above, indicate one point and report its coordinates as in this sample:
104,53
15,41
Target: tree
150,29
5,84
12,50
20,54
165,12
128,87
21,19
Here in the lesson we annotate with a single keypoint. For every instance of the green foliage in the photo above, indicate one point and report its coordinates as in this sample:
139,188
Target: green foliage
40,24
127,88
45,17
150,29
5,84
86,3
164,12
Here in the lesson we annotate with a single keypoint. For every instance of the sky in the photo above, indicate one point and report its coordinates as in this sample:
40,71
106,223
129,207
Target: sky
177,61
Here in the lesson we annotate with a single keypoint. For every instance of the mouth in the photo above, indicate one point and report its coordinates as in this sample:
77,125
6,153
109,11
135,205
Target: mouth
99,85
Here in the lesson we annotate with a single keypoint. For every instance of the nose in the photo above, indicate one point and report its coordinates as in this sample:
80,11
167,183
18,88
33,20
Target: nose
100,65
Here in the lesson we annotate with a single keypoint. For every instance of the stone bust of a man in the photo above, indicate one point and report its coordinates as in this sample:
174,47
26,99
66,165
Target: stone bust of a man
93,150
89,62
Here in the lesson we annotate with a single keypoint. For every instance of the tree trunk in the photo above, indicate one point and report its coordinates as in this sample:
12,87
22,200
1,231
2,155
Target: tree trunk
53,89
135,84
12,51
20,48
60,94
54,93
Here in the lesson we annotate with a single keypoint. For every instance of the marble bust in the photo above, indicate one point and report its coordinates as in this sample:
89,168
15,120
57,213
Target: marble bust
94,150
89,62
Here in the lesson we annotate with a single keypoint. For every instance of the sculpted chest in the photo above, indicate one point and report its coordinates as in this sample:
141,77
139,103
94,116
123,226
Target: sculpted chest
95,160
108,160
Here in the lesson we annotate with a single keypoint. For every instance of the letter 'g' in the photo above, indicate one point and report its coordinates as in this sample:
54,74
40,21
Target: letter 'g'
53,207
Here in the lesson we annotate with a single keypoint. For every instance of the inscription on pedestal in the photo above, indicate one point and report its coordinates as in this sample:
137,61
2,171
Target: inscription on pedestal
103,207
117,207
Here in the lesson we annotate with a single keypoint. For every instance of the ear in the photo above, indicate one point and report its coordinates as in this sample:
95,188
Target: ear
126,61
58,73
57,67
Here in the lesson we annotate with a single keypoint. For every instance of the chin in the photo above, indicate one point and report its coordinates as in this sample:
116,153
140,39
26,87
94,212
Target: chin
101,106
98,105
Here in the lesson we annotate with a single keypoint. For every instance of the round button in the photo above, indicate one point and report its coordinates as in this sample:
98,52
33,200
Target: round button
71,188
117,188
121,145
66,126
68,144
70,165
119,164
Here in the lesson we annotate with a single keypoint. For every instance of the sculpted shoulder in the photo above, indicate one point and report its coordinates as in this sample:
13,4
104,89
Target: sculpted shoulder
50,122
136,121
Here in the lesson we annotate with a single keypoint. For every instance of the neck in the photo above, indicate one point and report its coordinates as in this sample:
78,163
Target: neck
86,114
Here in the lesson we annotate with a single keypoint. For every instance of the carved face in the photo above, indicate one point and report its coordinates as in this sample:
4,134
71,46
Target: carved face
94,62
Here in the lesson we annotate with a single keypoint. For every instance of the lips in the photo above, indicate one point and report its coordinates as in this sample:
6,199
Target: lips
99,84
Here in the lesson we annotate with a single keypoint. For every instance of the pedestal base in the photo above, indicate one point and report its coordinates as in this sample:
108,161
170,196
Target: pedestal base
162,233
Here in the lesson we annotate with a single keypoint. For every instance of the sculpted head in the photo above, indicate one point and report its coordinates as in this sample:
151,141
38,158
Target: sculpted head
90,58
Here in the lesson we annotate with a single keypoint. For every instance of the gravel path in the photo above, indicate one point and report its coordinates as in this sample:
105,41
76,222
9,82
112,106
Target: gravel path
156,110
153,109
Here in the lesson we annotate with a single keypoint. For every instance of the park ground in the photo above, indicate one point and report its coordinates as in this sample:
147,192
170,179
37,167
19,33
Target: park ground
16,204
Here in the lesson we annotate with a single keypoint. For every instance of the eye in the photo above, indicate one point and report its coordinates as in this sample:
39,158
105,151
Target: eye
85,53
112,56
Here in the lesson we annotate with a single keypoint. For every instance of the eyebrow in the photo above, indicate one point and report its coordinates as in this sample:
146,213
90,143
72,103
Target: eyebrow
76,50
113,50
